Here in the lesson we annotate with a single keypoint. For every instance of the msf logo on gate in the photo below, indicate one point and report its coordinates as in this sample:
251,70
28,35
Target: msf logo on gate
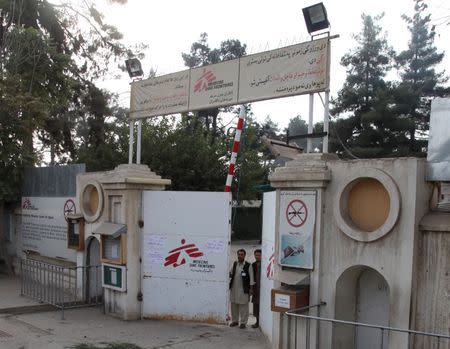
174,256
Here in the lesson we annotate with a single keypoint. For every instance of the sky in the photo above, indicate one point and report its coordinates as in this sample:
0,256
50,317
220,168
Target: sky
170,27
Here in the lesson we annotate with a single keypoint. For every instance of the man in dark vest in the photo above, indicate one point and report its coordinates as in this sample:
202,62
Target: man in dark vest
256,266
241,286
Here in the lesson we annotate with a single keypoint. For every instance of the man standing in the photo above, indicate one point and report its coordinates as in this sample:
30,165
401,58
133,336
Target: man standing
256,266
241,286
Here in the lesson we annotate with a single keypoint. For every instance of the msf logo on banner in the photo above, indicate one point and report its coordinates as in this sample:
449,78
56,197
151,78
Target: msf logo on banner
178,253
202,82
27,205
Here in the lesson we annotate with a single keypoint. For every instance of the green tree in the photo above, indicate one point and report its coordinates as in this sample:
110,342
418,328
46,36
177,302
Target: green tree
270,128
298,126
56,52
252,167
420,82
102,132
48,62
14,156
183,152
369,128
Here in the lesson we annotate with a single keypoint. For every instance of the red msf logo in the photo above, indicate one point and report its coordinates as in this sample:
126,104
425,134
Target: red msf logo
269,271
191,250
26,204
203,81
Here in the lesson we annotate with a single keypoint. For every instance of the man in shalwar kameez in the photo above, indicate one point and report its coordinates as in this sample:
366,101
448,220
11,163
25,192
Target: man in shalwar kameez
241,287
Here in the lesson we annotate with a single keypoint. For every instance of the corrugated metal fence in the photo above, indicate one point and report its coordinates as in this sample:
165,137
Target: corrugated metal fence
61,286
52,181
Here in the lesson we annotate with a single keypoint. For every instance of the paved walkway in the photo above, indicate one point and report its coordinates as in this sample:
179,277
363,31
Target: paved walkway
21,327
89,325
10,294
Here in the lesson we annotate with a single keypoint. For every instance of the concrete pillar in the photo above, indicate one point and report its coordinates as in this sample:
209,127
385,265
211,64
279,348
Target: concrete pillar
121,203
305,172
432,306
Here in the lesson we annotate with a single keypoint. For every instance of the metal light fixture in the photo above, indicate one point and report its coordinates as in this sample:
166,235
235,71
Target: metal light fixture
316,17
134,67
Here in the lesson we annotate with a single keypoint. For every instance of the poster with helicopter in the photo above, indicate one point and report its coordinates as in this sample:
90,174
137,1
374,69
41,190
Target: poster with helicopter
296,228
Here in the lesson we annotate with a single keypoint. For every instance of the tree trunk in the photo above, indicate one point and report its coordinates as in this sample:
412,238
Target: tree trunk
52,153
3,249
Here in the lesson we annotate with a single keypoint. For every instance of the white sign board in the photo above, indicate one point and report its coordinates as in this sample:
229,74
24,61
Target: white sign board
288,71
214,85
161,95
282,300
185,253
297,214
267,264
44,228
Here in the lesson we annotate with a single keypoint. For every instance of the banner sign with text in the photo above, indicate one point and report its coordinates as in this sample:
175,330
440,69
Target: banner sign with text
297,218
44,228
163,95
289,71
214,85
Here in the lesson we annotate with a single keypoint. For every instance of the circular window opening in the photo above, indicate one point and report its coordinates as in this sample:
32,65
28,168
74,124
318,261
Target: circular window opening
368,204
91,202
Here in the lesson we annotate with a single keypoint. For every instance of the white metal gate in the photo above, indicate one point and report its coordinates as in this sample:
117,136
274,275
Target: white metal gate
267,261
185,253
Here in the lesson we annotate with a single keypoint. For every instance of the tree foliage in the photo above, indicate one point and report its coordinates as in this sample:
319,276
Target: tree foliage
420,82
379,118
51,55
252,166
183,152
14,157
202,54
297,126
365,97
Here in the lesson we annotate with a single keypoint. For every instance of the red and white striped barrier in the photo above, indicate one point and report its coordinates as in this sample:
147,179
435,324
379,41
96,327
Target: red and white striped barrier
237,140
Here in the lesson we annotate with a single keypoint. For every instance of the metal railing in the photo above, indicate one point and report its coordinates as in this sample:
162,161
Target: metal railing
415,339
61,286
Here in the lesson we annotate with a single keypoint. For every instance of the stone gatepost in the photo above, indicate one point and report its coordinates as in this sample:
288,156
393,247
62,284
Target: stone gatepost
308,175
111,203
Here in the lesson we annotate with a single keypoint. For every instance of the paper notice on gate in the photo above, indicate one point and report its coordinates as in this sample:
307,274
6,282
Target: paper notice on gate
153,250
215,246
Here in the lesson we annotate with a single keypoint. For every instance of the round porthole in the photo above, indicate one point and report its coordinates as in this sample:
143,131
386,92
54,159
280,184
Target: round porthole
91,201
367,205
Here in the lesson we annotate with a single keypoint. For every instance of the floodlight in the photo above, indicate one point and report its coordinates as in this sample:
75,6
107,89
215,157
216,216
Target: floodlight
316,17
134,67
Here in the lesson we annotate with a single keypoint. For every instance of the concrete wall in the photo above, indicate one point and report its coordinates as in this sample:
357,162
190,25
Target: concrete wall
52,181
432,304
120,201
396,248
341,248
